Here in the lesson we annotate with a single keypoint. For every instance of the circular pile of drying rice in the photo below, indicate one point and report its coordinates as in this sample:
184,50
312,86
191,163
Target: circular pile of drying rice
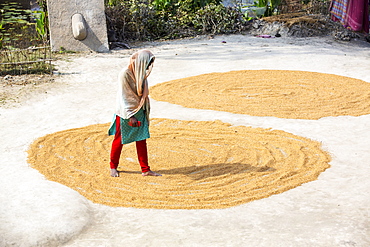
205,164
276,93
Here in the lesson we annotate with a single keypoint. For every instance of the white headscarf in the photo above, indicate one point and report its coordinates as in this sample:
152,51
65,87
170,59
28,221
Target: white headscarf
133,90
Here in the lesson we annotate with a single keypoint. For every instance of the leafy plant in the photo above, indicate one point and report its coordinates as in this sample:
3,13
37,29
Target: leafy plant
136,20
271,6
1,35
112,2
41,24
163,5
168,19
261,3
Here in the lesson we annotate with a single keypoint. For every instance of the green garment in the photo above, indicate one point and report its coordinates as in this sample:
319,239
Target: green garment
131,134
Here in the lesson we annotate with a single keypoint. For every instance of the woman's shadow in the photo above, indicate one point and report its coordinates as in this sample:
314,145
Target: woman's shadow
215,170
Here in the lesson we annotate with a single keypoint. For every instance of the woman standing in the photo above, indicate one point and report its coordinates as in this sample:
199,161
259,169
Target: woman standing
131,122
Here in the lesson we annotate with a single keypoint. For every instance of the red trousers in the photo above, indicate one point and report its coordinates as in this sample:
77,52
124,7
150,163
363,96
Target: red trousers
117,145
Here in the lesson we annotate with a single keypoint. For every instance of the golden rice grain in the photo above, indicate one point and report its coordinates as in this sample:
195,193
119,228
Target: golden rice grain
204,164
276,93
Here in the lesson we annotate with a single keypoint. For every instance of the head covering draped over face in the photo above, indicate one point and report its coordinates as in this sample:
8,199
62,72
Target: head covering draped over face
133,88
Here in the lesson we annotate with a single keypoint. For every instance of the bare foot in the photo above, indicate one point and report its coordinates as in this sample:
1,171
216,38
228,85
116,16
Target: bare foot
150,173
114,173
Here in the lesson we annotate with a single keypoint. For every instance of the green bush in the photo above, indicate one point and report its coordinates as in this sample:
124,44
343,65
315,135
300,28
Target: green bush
217,19
132,20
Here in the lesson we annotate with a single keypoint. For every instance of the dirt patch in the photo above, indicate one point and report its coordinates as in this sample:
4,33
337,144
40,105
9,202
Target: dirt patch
17,88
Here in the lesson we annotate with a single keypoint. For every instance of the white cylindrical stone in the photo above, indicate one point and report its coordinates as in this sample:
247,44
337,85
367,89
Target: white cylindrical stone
79,29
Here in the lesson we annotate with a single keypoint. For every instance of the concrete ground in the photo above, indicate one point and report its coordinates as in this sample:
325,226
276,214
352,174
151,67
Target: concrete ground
331,211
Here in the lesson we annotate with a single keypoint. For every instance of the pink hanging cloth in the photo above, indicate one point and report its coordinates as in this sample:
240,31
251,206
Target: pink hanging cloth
353,14
358,15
